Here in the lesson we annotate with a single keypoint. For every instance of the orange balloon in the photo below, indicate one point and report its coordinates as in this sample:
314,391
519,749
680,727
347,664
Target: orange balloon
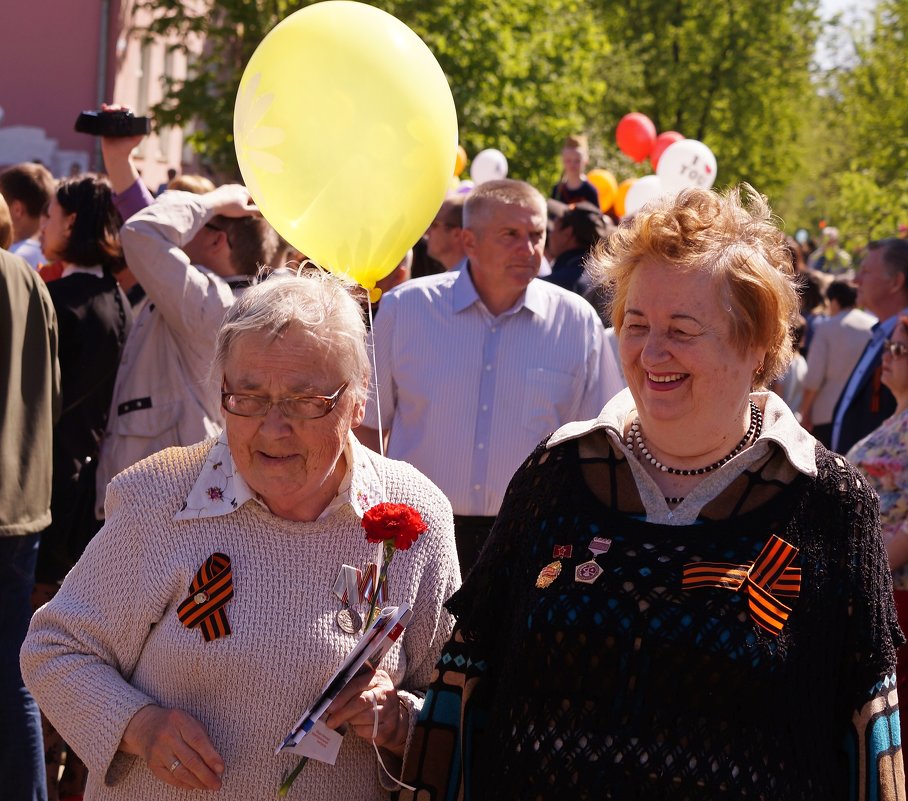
621,194
606,186
460,162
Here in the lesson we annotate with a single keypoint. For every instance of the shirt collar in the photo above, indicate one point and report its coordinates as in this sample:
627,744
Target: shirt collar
220,490
534,299
72,269
884,328
779,426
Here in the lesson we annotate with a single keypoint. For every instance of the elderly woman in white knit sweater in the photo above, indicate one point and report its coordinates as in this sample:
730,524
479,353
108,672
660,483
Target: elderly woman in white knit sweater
162,699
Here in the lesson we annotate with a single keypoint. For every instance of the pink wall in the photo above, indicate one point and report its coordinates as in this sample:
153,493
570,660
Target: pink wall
49,60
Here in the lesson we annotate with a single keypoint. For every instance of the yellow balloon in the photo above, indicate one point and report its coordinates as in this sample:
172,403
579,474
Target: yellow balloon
346,136
461,161
621,194
606,186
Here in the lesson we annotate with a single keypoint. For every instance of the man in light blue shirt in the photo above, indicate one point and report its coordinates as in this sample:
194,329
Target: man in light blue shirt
474,367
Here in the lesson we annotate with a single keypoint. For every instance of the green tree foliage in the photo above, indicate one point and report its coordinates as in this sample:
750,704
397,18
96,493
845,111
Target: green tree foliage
865,189
733,74
203,103
523,74
736,74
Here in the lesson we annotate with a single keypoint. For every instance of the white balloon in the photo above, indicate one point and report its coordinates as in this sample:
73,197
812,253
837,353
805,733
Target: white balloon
488,165
685,164
643,190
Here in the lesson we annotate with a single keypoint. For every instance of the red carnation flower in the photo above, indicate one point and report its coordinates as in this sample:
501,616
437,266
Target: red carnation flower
397,522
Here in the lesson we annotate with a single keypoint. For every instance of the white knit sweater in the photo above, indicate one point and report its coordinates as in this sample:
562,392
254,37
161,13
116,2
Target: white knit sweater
110,642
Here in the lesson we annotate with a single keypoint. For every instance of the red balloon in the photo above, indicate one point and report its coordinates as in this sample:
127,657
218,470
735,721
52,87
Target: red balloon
636,135
663,140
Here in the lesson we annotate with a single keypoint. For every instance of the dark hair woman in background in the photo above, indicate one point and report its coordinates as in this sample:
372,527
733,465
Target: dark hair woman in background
80,229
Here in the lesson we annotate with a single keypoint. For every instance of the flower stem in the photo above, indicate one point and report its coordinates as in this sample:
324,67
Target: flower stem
380,583
291,777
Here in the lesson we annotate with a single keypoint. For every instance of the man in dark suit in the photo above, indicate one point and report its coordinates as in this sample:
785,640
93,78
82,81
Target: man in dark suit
882,290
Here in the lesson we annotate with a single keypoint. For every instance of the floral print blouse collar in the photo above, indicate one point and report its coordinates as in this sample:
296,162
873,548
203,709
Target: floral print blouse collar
220,489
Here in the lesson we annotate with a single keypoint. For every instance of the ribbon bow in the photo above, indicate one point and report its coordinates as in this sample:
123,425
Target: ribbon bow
209,592
768,576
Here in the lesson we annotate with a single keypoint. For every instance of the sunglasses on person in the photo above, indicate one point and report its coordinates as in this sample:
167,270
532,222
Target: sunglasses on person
301,407
895,349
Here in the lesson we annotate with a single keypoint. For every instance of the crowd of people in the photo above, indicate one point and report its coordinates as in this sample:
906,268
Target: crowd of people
666,455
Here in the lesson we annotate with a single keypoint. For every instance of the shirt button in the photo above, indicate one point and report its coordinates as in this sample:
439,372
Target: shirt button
488,367
485,407
494,330
477,487
480,446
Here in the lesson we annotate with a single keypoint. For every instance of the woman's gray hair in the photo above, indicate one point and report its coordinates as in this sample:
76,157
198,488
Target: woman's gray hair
314,302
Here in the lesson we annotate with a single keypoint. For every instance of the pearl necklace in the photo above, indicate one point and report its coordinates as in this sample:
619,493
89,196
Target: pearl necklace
635,442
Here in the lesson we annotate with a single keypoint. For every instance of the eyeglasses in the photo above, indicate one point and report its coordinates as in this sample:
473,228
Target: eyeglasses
895,349
300,407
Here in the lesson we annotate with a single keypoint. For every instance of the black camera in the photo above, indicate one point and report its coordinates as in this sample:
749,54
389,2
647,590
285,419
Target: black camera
112,123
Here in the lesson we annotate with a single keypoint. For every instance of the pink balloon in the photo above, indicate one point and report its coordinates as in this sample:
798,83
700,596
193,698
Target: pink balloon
663,140
636,135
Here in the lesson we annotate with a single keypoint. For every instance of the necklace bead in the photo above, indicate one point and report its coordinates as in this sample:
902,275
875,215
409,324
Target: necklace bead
635,443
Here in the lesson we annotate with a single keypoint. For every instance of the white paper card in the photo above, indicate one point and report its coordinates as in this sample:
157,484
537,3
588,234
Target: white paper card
320,743
366,655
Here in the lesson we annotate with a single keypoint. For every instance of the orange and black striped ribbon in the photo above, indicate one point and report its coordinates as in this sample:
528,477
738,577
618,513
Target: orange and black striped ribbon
209,592
367,585
766,579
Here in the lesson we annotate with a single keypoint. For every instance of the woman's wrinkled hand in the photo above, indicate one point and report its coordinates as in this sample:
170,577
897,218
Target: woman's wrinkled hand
370,706
175,747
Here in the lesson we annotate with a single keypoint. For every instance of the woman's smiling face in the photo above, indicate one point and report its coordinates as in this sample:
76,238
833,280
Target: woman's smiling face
677,352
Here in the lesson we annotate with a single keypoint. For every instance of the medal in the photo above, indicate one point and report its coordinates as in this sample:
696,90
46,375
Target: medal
348,620
346,586
551,571
548,574
600,545
588,572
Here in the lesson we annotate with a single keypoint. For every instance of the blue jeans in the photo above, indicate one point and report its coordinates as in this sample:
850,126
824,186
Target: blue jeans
22,773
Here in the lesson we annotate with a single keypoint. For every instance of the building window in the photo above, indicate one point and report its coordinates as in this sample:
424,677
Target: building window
165,135
142,88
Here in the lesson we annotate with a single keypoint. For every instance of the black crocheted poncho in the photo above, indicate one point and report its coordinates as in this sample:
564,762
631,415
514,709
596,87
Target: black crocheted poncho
635,687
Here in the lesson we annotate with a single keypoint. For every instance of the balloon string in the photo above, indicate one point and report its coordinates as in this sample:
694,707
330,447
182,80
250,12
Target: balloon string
381,436
391,776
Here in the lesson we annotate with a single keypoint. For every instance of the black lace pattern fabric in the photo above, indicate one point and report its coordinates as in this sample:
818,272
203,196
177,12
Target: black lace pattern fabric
632,687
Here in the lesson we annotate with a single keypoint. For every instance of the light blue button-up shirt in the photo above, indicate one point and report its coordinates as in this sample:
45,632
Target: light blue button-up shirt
468,395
